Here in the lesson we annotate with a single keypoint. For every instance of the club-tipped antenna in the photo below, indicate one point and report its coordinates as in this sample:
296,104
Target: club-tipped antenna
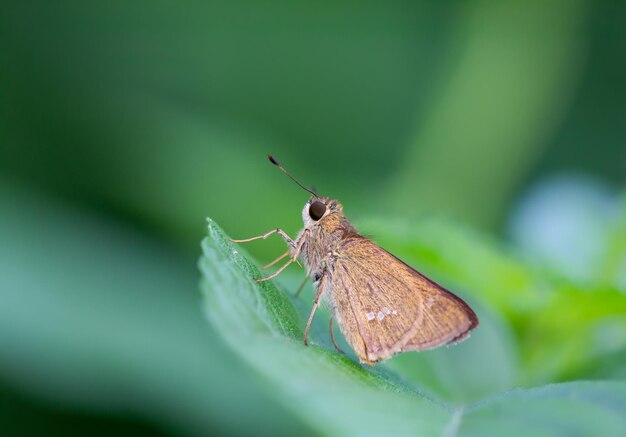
273,161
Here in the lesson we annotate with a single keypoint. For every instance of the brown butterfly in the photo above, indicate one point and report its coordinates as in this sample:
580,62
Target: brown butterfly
382,305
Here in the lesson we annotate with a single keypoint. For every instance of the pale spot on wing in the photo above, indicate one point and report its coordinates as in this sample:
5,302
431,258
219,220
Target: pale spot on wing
386,310
380,315
430,302
394,312
370,316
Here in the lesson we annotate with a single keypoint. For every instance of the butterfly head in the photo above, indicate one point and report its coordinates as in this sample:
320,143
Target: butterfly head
318,208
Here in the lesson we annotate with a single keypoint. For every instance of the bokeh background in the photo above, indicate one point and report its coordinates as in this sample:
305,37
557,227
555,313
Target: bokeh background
124,124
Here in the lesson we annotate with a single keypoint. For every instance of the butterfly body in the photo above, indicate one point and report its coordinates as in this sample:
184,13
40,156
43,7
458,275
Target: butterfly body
382,305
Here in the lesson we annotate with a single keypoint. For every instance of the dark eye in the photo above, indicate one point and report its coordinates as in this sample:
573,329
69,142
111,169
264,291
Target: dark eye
317,210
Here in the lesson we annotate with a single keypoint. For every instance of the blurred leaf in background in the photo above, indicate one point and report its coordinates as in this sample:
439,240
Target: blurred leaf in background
443,127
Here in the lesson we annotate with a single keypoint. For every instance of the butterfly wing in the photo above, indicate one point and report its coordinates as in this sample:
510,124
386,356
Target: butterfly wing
383,306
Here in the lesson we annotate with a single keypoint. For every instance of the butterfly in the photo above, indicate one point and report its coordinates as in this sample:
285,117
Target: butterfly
382,305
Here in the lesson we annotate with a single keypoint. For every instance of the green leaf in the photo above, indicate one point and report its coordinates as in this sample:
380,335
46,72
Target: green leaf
580,408
261,324
336,395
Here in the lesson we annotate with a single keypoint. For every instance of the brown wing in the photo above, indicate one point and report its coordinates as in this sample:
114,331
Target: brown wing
383,306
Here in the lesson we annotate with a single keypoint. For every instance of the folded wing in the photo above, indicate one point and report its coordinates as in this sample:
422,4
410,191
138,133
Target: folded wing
383,306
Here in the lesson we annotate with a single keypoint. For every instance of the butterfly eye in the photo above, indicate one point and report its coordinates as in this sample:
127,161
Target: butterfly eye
317,210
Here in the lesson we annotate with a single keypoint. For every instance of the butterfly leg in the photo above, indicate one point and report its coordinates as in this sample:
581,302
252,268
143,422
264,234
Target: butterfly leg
292,259
332,336
300,288
267,266
280,232
316,304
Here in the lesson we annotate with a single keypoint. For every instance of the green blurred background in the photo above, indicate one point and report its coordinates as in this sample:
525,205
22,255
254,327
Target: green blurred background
124,124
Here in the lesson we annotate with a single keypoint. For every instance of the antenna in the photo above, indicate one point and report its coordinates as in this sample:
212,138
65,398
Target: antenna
273,161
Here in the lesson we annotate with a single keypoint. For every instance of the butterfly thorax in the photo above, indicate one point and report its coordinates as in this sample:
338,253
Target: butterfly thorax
323,240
